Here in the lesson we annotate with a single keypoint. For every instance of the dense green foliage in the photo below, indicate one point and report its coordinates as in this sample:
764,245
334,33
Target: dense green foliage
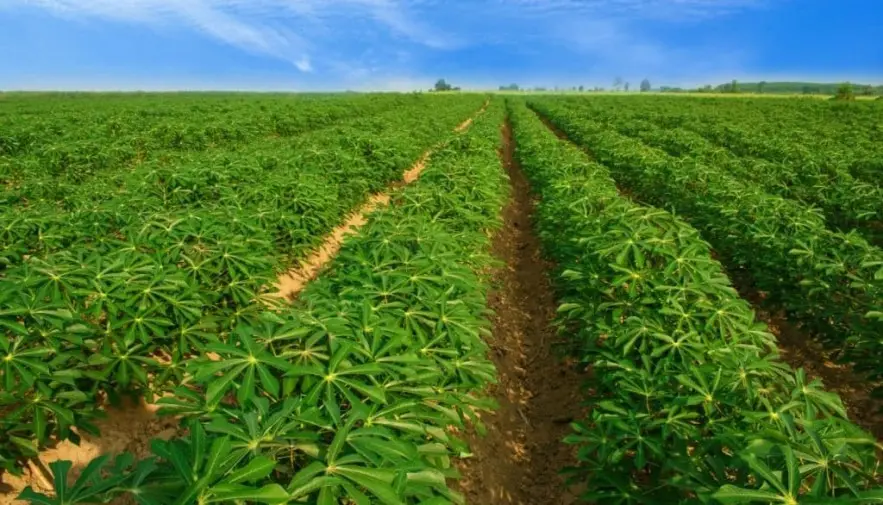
831,282
117,285
779,162
690,402
140,238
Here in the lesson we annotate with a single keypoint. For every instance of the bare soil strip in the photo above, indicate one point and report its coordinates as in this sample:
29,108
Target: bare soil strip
291,283
519,460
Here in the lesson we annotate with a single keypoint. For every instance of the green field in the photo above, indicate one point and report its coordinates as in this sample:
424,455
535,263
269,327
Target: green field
143,238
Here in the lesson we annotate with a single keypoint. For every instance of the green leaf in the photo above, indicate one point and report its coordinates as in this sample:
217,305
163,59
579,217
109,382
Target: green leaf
271,494
256,469
732,494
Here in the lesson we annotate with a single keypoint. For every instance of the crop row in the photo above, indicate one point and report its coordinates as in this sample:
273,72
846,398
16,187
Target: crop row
689,403
825,136
115,297
60,172
49,167
830,282
74,128
831,140
848,202
348,396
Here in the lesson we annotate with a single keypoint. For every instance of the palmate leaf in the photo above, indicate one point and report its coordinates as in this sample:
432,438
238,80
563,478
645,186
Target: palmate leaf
22,364
121,362
245,367
283,433
341,476
340,382
202,469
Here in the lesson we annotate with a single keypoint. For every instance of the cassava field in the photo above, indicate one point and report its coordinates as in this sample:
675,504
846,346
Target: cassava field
440,298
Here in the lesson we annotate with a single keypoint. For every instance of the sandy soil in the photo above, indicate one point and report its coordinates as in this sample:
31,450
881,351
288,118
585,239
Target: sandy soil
126,429
290,284
519,460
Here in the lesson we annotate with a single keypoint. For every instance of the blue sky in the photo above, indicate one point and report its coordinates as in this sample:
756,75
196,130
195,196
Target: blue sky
408,44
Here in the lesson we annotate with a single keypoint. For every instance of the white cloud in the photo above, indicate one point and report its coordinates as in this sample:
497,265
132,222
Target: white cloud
290,30
364,40
303,64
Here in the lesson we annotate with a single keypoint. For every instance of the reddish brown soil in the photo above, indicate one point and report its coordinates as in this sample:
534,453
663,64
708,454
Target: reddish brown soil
519,460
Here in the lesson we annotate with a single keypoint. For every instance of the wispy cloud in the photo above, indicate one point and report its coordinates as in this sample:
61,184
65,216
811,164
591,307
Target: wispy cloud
659,9
291,30
371,40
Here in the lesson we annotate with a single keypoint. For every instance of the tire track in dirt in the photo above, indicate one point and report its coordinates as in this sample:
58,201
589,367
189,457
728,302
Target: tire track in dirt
519,460
291,283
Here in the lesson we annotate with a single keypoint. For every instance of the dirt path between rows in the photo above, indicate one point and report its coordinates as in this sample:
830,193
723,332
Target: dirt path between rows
291,283
519,460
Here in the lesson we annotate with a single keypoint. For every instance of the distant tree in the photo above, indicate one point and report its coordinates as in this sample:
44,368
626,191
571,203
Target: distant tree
845,92
645,85
867,90
760,86
442,85
581,87
734,86
617,83
627,86
511,87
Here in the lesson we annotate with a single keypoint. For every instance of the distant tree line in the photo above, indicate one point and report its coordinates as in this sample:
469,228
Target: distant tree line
806,88
838,90
442,85
618,84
